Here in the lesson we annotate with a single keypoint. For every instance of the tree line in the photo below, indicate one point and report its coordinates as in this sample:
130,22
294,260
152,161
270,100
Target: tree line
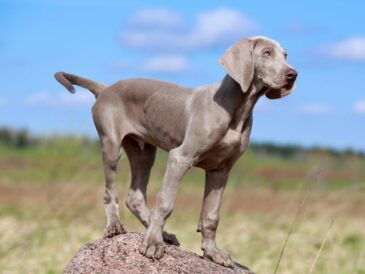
21,139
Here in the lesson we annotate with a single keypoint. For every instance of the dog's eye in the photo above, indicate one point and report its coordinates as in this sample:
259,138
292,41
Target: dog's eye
267,53
285,55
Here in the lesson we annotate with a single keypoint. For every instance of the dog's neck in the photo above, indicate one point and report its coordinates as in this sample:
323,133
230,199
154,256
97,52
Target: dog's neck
239,104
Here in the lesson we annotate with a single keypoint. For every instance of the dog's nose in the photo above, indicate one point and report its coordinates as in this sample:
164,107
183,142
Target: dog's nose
291,75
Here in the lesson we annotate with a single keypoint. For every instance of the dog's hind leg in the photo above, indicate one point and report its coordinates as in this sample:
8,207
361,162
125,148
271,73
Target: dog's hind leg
111,154
141,160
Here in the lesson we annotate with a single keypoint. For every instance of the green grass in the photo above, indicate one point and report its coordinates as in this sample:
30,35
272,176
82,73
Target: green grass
59,159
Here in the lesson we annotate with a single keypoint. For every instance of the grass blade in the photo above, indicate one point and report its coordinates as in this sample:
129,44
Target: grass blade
290,232
320,249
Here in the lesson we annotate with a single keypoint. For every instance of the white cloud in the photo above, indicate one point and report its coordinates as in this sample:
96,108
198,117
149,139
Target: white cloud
167,64
80,98
314,109
359,107
351,49
161,64
38,98
211,29
156,18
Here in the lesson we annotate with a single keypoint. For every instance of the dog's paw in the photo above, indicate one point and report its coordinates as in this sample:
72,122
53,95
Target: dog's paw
170,238
152,248
114,229
218,256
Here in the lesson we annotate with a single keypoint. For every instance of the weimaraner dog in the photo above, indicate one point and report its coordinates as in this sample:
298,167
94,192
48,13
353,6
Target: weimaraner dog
207,127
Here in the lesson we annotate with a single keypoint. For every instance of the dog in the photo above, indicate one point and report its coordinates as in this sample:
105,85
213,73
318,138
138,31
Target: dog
207,127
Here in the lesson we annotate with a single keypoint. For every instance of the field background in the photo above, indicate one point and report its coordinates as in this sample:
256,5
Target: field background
51,193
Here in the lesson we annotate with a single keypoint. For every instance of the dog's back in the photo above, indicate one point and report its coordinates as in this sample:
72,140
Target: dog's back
142,103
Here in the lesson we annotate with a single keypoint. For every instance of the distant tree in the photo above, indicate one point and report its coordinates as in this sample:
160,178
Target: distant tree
5,136
21,139
15,138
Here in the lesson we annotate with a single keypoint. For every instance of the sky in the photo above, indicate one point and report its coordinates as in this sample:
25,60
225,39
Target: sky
180,42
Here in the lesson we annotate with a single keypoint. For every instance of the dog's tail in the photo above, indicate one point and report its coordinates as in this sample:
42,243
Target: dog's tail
67,80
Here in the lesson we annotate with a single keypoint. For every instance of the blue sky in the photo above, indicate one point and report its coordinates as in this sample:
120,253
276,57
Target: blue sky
180,41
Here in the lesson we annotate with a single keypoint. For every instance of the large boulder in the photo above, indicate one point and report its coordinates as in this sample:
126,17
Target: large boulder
120,255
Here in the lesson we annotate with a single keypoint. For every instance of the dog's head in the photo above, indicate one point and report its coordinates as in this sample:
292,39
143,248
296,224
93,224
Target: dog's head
260,59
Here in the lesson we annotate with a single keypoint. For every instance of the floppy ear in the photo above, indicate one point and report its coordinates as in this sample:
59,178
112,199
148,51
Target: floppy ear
238,62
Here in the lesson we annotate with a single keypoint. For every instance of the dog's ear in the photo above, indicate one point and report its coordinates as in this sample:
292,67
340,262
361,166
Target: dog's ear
238,62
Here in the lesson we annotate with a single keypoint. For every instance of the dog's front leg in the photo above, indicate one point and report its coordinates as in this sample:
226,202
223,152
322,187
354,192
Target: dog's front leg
178,163
215,182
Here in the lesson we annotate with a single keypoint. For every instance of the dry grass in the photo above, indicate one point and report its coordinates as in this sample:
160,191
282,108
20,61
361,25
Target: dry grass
42,226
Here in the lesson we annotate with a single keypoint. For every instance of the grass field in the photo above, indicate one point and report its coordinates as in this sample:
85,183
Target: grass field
51,204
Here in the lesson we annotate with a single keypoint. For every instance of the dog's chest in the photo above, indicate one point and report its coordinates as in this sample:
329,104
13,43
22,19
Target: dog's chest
225,152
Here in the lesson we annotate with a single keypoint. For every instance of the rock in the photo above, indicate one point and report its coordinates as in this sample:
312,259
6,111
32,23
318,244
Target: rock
120,255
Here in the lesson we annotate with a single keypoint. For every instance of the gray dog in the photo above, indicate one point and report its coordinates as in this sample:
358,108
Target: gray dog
207,127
